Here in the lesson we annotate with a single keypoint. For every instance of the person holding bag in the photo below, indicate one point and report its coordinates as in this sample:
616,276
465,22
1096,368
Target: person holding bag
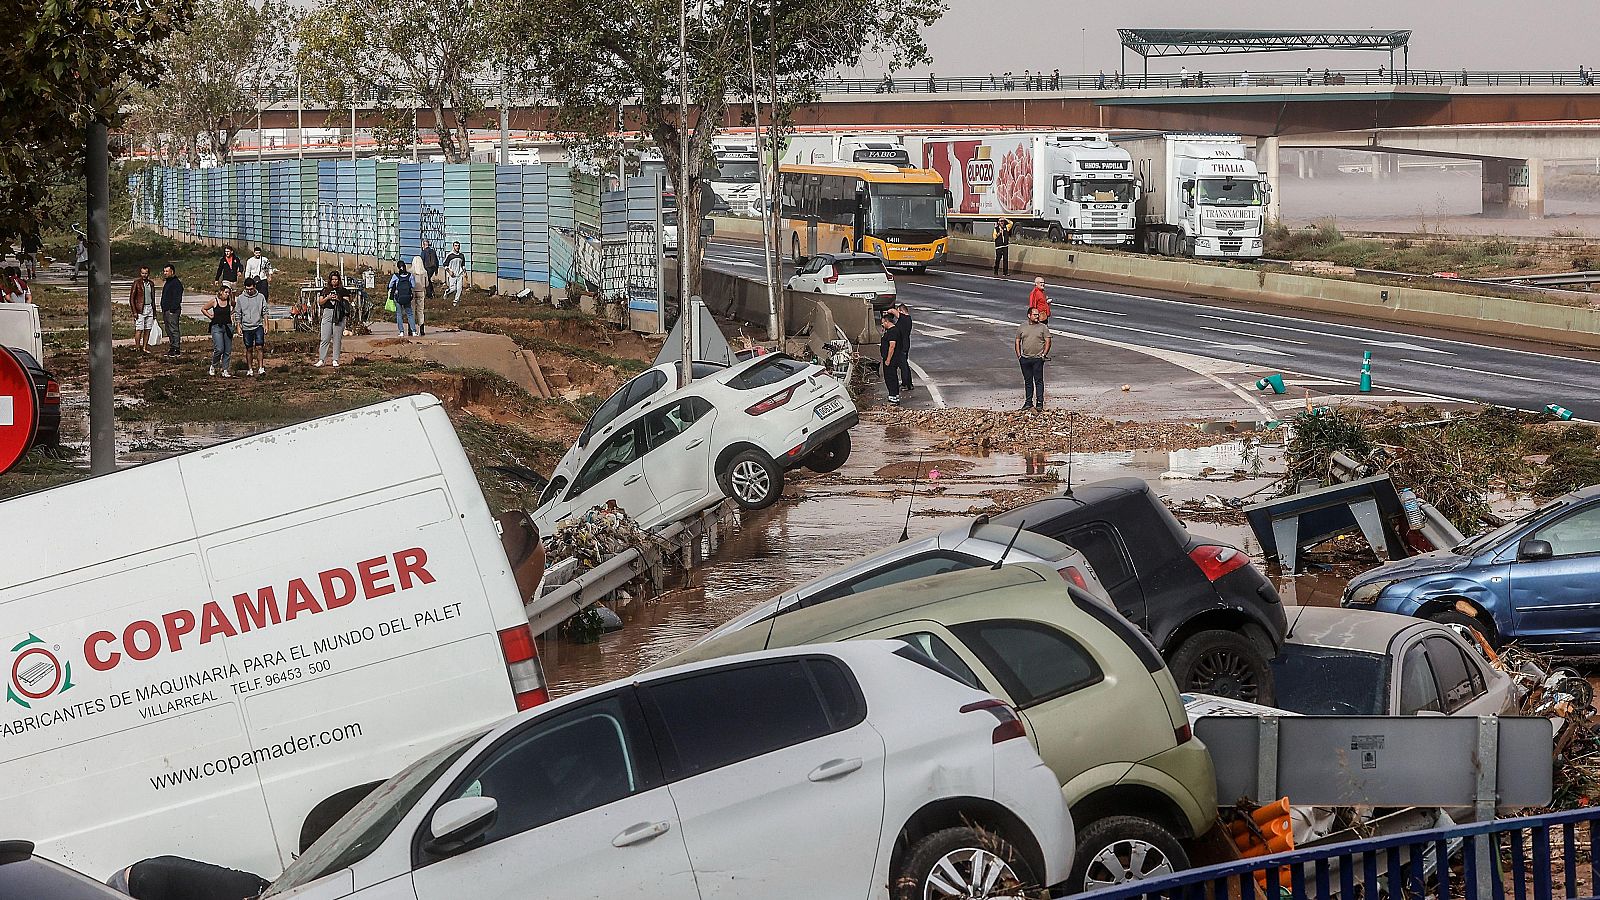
333,305
219,312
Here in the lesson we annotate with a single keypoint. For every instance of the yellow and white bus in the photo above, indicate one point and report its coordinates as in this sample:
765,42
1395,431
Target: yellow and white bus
896,214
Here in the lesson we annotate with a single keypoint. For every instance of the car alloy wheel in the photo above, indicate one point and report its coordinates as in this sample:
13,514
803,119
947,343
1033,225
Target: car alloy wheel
1223,673
971,872
1125,861
751,484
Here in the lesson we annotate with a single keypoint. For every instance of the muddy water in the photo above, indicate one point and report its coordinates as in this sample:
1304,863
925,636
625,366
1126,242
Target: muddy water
855,511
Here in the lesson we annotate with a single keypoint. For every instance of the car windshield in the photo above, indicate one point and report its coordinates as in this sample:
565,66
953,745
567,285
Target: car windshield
911,208
1102,191
1476,545
1229,192
738,171
1327,681
369,824
858,266
41,879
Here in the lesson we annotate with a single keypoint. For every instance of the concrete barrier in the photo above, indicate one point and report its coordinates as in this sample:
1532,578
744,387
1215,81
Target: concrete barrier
1473,313
745,300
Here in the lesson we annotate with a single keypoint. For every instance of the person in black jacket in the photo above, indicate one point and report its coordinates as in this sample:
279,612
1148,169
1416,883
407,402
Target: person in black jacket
230,269
430,262
171,306
902,327
176,878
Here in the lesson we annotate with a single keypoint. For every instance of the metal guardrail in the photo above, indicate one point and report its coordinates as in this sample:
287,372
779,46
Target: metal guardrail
556,603
1528,849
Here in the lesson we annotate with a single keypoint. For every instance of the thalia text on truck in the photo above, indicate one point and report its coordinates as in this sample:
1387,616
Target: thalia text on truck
195,672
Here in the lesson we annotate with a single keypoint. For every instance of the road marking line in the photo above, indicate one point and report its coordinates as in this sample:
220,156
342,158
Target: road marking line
1323,334
956,290
1238,333
933,389
1468,369
1175,337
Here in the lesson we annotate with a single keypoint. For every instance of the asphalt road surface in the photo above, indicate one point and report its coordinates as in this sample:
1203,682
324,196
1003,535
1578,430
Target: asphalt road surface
965,320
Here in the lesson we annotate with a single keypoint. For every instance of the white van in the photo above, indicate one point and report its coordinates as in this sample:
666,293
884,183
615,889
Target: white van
218,654
19,327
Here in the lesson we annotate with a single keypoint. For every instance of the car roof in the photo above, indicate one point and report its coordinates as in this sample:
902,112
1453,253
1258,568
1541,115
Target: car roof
1071,499
831,257
1351,629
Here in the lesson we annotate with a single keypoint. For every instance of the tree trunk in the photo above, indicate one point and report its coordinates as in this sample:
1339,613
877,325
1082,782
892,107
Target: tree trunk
445,134
690,246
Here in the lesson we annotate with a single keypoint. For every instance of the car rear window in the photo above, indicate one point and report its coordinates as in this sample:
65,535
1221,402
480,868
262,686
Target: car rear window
769,370
724,716
859,267
1325,681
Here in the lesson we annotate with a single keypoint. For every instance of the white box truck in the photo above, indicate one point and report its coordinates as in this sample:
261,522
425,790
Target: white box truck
19,327
1202,195
217,654
1076,185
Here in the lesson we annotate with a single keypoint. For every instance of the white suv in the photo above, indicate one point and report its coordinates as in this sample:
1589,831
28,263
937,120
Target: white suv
845,770
847,274
662,452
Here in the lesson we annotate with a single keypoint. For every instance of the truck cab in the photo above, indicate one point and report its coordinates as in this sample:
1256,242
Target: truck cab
1092,191
1203,196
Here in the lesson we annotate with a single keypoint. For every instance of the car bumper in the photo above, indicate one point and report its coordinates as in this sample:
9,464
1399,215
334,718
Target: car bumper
1187,774
819,436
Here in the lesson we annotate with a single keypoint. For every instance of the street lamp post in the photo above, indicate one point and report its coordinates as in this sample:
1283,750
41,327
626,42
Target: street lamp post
774,330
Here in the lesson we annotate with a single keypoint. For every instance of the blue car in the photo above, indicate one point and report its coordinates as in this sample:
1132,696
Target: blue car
1535,580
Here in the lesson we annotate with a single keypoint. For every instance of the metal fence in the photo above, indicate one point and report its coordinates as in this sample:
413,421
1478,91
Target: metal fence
1529,858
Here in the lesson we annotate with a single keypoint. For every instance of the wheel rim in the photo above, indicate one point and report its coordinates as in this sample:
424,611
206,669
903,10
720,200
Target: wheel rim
971,872
1123,861
1224,673
750,481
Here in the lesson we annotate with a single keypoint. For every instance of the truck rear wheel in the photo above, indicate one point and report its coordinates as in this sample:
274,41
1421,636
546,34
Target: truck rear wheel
1055,234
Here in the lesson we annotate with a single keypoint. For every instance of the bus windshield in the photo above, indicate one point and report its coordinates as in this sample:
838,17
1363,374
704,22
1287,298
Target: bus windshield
1229,192
737,171
907,209
1102,191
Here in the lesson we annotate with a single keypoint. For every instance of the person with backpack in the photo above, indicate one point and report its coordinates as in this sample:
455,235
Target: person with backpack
1038,302
403,293
334,306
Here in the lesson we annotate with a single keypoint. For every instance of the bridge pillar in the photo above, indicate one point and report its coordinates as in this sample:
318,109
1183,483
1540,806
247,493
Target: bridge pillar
1267,159
1513,188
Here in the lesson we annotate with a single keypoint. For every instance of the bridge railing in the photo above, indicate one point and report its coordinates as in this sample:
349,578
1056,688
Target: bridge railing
1527,858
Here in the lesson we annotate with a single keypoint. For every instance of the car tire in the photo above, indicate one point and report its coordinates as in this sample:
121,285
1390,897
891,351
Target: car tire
960,850
1120,849
1457,617
1225,664
831,455
752,479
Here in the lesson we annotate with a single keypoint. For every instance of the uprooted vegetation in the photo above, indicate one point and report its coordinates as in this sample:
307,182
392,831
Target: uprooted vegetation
1459,462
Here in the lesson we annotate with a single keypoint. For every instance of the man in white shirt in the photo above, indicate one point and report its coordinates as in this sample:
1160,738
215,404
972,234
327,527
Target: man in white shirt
260,269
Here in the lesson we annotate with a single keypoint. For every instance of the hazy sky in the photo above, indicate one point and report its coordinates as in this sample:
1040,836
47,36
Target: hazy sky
980,36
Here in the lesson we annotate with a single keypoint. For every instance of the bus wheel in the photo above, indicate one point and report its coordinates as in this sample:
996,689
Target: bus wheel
1055,234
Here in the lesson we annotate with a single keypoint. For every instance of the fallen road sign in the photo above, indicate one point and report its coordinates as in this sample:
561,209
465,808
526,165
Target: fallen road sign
19,411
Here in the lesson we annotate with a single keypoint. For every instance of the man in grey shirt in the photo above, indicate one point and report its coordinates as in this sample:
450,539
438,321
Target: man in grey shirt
1033,348
251,309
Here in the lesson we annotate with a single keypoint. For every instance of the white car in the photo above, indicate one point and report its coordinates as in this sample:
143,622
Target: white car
669,231
836,770
846,274
954,550
663,452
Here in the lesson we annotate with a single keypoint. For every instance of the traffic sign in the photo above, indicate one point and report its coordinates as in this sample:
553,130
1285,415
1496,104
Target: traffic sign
19,411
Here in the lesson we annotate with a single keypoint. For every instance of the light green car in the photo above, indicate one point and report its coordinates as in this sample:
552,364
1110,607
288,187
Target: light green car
1098,701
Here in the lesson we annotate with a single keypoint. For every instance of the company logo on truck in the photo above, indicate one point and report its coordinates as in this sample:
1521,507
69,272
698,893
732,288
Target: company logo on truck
37,673
980,172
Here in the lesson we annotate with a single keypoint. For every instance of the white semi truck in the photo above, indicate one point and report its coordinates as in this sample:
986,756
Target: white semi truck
1202,195
1076,185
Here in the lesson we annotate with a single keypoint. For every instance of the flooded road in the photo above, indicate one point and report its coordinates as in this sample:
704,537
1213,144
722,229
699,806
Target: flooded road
861,509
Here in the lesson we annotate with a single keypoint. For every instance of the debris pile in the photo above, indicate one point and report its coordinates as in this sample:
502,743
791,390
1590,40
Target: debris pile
1047,430
593,537
1557,692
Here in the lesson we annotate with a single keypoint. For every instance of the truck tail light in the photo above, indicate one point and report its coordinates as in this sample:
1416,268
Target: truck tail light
773,402
1010,723
522,664
1215,561
52,393
1072,576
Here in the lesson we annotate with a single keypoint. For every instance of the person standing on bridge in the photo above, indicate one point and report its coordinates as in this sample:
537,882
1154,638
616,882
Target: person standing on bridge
1033,348
1002,246
1038,302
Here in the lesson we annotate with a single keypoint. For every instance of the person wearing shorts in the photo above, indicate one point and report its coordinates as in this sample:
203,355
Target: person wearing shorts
251,308
142,299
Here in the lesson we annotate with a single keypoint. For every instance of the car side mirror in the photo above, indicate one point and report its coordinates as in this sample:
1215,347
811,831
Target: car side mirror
1532,550
456,824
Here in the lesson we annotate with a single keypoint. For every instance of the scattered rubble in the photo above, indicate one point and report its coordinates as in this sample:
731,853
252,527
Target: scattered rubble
1047,430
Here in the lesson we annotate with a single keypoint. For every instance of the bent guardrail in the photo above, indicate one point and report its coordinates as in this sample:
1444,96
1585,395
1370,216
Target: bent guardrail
1526,854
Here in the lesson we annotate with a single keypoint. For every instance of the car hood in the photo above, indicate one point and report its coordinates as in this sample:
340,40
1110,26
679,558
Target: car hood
1413,567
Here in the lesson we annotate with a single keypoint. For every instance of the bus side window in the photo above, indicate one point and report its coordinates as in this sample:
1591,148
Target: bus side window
812,200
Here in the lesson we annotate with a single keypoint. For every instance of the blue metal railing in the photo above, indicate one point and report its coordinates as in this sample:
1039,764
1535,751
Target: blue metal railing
1524,855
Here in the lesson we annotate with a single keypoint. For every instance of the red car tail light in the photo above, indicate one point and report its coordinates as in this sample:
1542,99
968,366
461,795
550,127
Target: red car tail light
1183,734
1072,576
1010,723
522,664
773,402
52,393
1216,562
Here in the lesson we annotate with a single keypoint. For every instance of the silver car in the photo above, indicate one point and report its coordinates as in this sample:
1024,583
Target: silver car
1347,662
978,543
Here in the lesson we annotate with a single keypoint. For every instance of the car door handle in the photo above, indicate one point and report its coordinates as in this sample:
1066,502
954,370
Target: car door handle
638,834
834,768
634,478
694,443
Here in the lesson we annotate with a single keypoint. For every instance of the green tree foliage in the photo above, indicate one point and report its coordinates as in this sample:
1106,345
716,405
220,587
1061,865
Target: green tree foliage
67,63
592,56
218,73
379,55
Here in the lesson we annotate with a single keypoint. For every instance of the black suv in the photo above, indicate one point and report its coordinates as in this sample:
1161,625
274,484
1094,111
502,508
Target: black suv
1216,619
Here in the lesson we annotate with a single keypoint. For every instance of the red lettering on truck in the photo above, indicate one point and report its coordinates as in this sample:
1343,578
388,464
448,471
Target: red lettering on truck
143,639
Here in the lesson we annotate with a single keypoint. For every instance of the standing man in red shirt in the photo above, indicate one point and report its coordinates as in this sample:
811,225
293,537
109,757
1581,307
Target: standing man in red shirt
1038,301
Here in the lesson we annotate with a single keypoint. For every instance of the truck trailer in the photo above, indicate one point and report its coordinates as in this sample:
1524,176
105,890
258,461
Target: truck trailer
1201,195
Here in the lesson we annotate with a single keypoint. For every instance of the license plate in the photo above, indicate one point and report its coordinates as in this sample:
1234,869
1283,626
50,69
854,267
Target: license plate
828,407
867,296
